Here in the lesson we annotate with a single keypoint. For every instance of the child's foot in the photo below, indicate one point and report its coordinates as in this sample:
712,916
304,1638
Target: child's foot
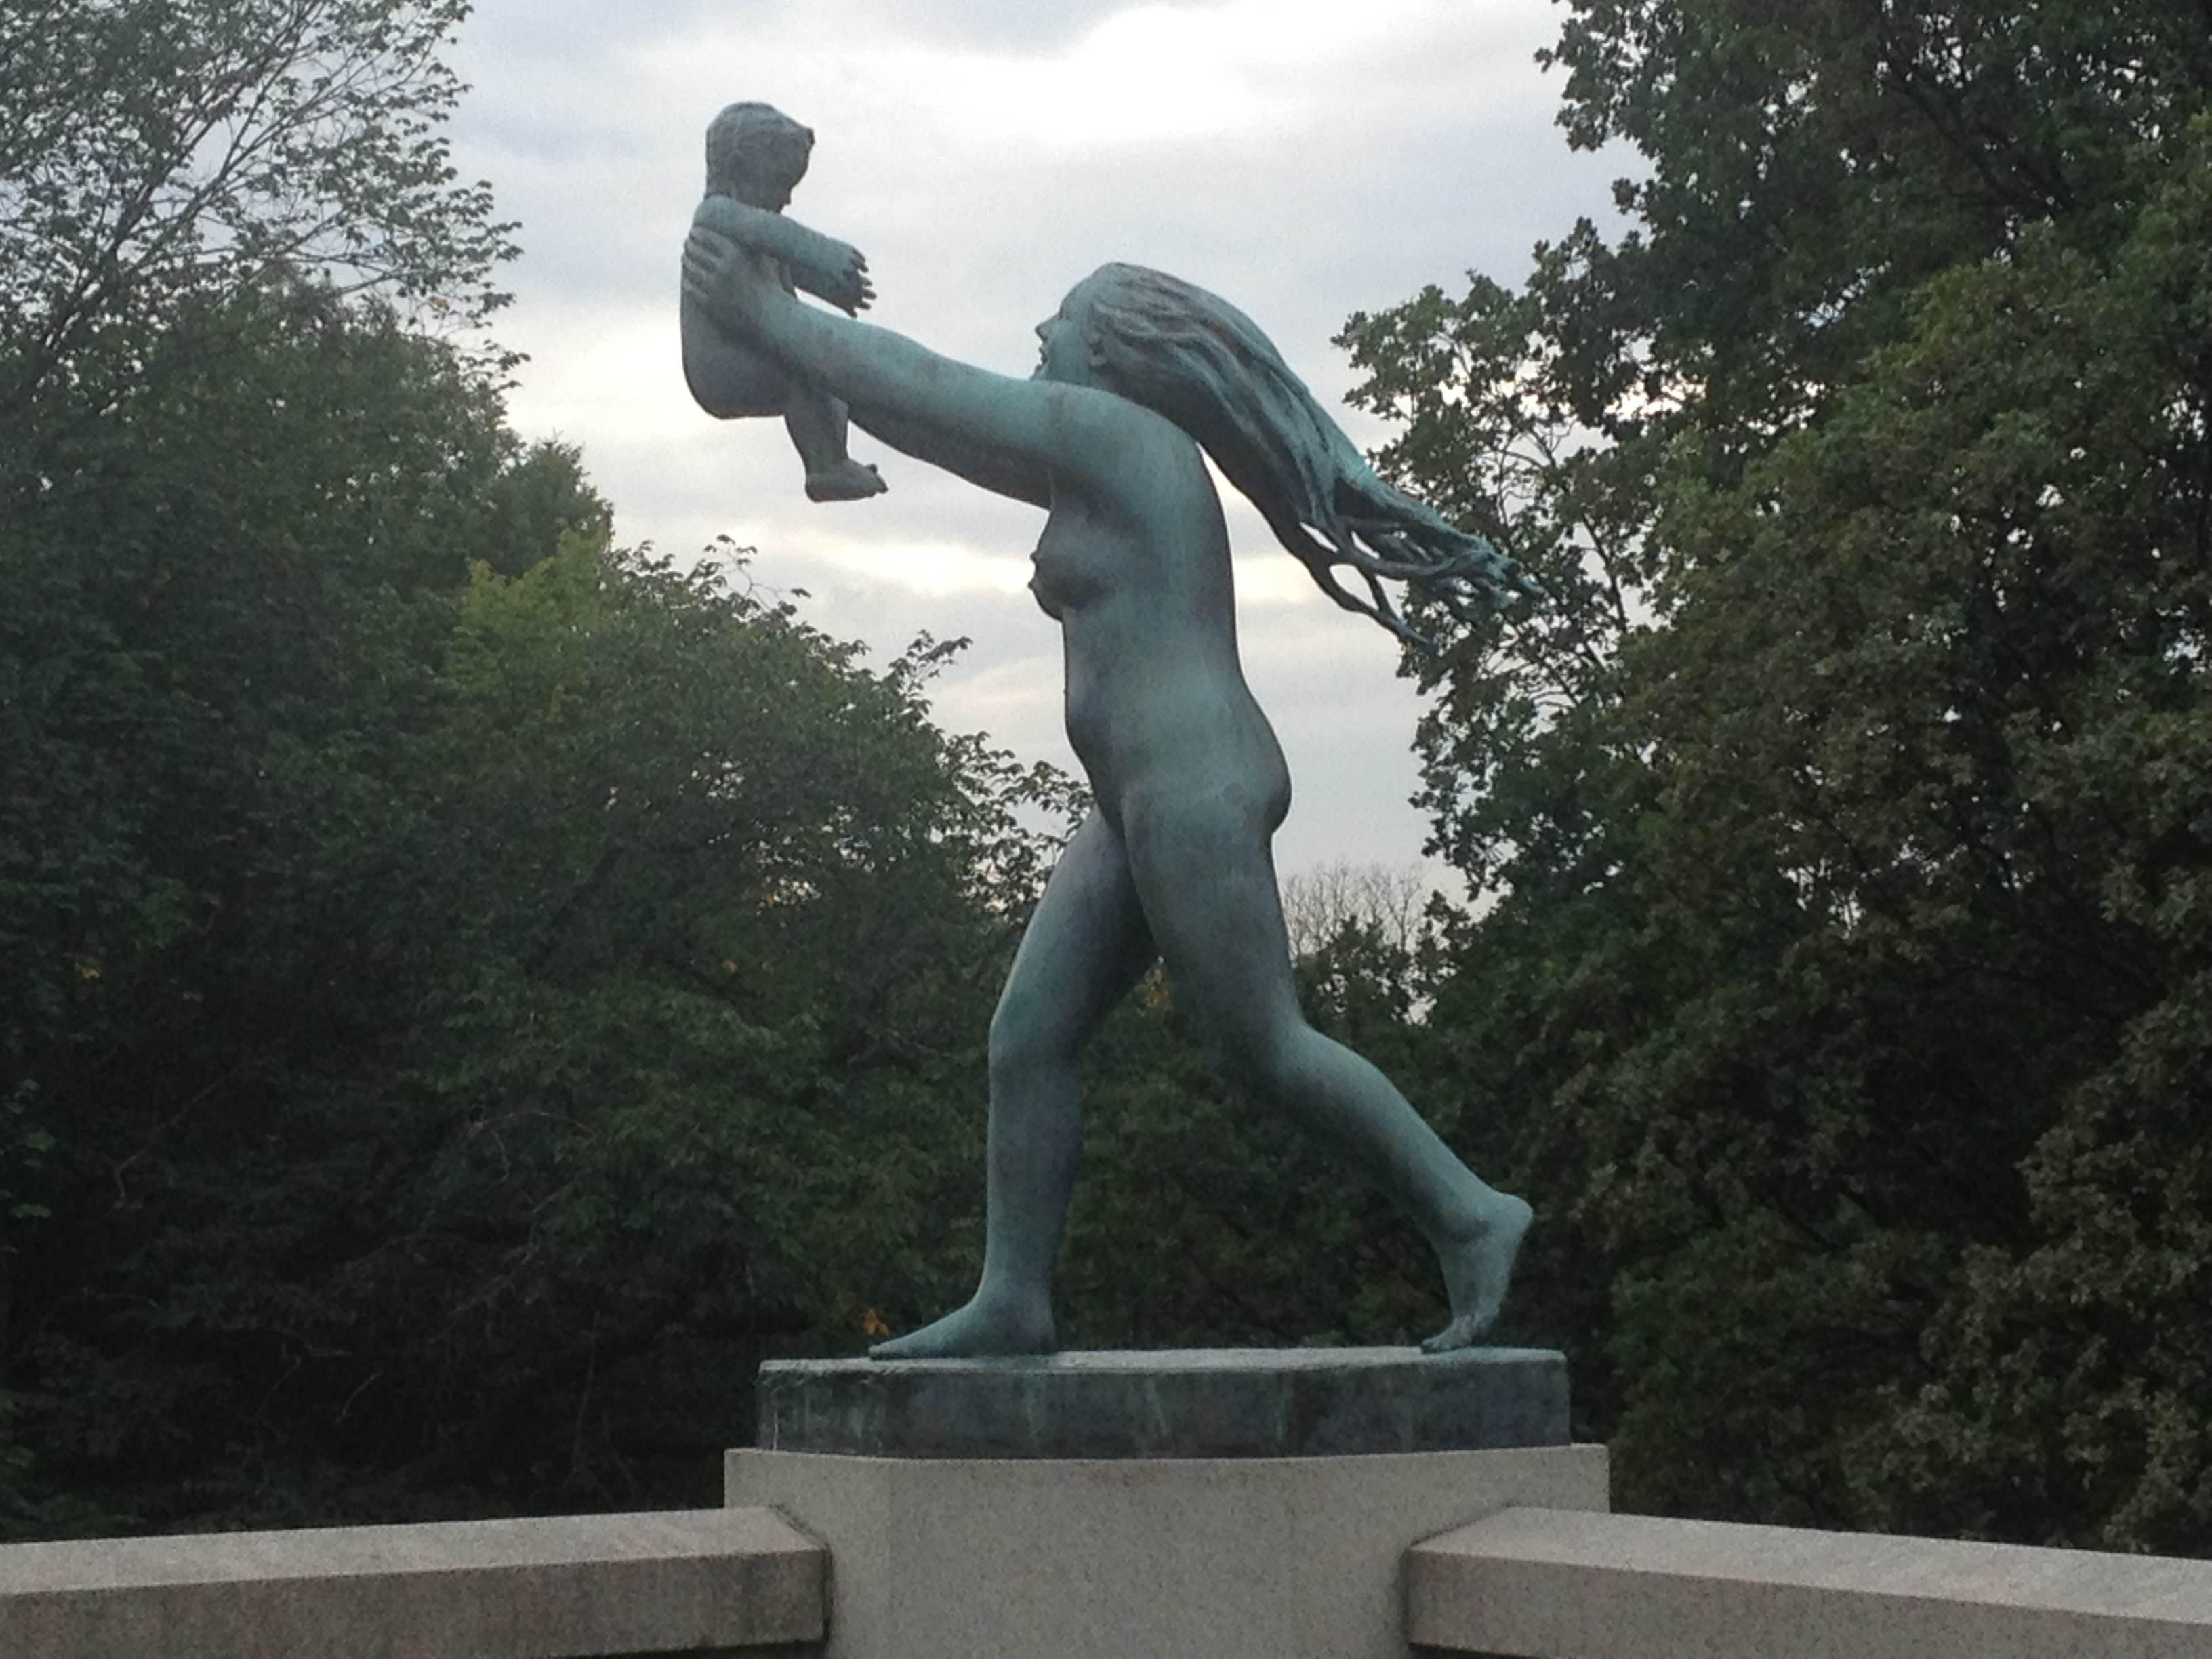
976,1331
848,481
1477,1269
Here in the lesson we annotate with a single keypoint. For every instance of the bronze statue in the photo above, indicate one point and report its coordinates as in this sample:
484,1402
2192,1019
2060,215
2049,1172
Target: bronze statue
1137,371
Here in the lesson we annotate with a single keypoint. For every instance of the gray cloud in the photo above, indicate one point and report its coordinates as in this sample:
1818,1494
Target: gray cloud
1021,26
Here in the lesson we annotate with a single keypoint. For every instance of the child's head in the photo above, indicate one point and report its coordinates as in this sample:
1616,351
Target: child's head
756,155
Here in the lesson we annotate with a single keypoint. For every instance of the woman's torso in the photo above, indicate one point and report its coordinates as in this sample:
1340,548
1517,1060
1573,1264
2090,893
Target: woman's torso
1136,572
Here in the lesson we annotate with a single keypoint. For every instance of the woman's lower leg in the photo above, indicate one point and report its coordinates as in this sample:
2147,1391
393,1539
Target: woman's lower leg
1355,1114
1036,1141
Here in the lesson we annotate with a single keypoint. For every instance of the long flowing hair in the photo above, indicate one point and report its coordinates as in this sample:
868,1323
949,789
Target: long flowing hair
1193,357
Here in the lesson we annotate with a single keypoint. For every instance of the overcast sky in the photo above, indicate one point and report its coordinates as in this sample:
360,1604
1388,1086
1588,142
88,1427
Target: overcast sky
1306,159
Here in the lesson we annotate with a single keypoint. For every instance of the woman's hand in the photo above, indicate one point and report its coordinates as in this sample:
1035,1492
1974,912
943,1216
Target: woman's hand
730,284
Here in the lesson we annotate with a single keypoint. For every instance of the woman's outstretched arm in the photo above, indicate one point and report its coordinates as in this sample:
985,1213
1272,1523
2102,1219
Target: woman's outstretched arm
1000,472
932,405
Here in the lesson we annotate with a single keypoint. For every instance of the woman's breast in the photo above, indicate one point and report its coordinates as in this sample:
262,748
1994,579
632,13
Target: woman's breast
1074,566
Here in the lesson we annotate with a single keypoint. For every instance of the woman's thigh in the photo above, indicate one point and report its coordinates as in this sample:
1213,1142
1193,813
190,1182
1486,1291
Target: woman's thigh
1204,873
1087,942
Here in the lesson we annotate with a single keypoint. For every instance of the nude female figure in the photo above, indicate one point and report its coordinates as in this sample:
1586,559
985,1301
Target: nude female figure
1137,371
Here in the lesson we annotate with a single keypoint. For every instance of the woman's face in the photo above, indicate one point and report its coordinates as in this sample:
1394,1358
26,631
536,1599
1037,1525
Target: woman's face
1064,351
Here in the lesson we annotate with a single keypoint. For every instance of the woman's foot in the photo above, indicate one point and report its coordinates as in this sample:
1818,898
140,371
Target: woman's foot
848,481
1478,1268
981,1329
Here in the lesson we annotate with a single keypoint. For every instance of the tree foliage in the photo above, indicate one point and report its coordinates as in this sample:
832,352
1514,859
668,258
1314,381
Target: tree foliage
459,1017
466,994
155,147
1846,822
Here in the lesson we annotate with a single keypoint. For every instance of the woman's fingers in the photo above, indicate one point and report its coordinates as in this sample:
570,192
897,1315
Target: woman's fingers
715,268
707,249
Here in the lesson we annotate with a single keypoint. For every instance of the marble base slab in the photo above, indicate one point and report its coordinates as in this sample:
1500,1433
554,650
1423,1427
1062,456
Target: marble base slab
1190,1402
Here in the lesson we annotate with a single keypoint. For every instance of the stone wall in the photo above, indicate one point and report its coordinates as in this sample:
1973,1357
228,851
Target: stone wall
1506,1554
733,1580
1532,1583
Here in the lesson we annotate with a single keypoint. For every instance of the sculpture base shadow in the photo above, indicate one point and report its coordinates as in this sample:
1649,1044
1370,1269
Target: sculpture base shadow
1197,1402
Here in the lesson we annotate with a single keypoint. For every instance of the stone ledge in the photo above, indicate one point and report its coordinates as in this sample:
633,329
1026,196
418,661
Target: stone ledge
1541,1582
565,1588
1197,1402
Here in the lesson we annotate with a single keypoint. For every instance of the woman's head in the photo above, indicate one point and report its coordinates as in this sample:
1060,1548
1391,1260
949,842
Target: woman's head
756,155
1068,349
1192,356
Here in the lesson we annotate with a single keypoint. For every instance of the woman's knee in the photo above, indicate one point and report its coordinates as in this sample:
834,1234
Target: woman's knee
1262,1061
1026,1037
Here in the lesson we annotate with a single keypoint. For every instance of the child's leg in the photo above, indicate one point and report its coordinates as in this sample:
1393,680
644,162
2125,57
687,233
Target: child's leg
817,424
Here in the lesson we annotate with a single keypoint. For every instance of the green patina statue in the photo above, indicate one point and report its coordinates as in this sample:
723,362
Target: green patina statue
1138,372
756,156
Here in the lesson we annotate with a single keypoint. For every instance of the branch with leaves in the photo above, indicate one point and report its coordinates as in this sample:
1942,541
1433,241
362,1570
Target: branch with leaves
155,147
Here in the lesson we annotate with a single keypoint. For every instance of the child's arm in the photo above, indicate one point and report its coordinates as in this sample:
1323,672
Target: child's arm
823,266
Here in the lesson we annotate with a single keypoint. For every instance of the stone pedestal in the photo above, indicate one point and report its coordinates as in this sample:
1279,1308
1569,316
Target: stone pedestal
971,1532
1207,1402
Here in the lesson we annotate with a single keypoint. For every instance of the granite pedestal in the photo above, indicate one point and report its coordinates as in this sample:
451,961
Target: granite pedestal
1217,1504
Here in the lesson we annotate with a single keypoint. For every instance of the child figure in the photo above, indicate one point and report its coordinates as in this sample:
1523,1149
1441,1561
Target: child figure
756,156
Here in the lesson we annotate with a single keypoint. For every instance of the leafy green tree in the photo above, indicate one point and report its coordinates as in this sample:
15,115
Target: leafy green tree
176,179
458,1022
466,994
1843,827
220,631
1944,696
151,149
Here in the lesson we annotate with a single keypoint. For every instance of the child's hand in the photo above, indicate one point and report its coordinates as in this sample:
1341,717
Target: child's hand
838,272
